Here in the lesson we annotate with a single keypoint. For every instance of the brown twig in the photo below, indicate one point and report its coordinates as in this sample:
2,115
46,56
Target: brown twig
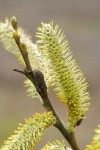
37,78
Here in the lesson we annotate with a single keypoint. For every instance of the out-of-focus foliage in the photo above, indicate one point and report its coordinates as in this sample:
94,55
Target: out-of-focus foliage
95,143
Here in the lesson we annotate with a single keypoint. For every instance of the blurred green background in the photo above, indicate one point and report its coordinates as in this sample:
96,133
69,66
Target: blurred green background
80,21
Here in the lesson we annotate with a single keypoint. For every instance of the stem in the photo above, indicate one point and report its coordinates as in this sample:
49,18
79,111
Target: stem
37,78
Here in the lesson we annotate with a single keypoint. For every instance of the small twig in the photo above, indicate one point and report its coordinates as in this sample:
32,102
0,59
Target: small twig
23,50
19,71
37,78
41,88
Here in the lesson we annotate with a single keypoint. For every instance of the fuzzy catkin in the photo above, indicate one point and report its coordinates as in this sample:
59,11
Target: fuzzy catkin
57,145
28,135
95,143
70,83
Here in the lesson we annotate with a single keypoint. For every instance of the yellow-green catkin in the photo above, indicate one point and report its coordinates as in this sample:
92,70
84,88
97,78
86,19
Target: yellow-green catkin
6,38
71,85
95,143
28,135
7,31
57,145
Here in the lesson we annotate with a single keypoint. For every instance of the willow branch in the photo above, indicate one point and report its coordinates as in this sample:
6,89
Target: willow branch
37,78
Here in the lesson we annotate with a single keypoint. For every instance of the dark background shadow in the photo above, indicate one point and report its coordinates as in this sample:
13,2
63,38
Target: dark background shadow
80,21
